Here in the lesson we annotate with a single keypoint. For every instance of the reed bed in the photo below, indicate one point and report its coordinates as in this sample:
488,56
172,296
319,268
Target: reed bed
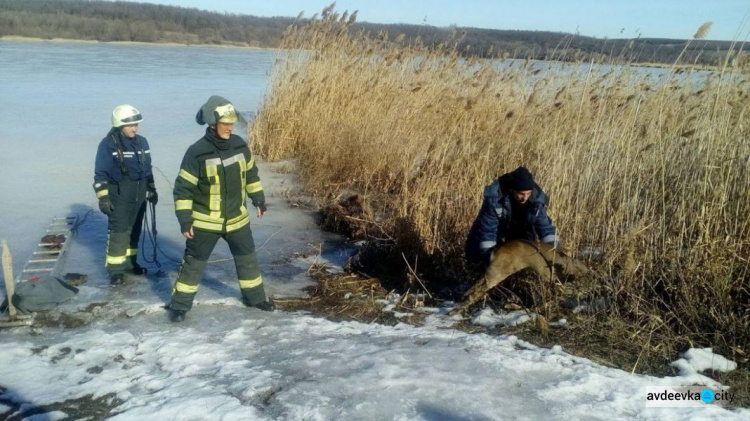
647,169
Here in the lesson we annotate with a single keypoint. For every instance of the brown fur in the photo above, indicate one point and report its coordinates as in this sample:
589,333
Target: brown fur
515,255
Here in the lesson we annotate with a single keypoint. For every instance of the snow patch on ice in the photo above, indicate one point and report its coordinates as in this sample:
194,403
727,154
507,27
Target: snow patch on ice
559,323
438,321
488,318
48,416
696,360
702,359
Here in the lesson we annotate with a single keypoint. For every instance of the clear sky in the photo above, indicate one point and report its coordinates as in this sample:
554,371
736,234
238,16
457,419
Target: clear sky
599,18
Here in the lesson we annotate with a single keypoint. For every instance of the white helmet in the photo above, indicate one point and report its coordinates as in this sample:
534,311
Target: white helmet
124,115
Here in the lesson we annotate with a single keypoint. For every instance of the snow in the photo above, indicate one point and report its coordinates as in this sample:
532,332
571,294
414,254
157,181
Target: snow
697,360
227,361
702,359
48,416
235,363
488,318
559,323
584,306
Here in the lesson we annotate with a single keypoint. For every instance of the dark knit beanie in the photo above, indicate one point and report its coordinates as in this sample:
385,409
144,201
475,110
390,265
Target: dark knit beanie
521,180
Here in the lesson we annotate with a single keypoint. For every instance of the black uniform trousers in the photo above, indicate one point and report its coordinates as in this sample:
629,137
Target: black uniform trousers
128,198
198,250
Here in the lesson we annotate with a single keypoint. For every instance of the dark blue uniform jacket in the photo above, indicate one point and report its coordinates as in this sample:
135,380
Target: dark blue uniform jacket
136,156
494,224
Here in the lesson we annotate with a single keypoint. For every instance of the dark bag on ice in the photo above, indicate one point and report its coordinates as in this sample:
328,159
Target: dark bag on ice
40,294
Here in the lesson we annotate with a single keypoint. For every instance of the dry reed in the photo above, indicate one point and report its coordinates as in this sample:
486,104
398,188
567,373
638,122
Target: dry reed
648,170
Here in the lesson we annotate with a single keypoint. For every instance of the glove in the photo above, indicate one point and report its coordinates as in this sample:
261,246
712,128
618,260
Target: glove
185,226
152,196
261,206
106,206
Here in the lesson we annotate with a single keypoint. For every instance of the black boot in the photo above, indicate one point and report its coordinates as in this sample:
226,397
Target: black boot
176,316
267,305
138,270
116,279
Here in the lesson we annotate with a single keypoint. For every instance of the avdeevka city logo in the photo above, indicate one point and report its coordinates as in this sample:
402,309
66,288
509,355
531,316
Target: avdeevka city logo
686,396
707,396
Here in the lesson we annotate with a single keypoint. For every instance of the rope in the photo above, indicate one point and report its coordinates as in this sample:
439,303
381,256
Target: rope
151,233
280,228
151,236
164,176
80,221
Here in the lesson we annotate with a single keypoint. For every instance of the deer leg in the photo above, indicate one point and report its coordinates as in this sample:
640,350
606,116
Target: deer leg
496,273
472,295
476,292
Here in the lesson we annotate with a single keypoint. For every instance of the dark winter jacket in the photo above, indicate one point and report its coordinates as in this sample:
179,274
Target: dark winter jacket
494,224
111,166
215,178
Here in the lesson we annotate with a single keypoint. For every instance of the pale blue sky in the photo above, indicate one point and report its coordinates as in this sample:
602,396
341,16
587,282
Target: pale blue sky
600,18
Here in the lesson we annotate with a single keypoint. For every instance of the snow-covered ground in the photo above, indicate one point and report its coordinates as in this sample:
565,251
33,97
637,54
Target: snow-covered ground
229,362
226,361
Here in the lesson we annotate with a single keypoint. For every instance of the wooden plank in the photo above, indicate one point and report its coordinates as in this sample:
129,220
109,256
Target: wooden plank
15,322
20,316
10,287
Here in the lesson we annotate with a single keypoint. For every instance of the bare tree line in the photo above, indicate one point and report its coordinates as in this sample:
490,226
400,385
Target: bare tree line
141,22
126,21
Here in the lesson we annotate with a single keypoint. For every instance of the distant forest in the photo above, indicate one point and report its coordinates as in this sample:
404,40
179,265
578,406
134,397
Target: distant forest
141,22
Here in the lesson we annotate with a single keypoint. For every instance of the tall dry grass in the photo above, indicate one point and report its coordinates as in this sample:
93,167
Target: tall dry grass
648,170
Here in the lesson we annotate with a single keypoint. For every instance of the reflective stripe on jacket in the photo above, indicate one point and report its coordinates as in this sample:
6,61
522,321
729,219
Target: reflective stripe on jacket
135,152
215,178
492,224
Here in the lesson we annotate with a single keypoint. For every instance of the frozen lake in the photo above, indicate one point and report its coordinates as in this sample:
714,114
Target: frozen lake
56,104
57,100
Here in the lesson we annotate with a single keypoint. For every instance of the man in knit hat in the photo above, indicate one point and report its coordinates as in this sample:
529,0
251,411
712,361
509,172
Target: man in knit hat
514,208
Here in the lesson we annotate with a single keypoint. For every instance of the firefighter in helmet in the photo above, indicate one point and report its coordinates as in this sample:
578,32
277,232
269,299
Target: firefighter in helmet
216,176
124,182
